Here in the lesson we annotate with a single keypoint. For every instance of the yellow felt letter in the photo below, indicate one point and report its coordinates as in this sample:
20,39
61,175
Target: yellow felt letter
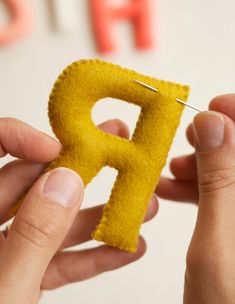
86,149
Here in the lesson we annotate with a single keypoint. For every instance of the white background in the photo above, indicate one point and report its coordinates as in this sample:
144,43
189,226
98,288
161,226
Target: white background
195,45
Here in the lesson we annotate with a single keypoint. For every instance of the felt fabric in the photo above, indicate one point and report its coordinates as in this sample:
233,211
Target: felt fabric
104,13
86,149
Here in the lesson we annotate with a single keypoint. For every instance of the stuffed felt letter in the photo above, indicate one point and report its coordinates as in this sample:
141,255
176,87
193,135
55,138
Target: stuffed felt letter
86,149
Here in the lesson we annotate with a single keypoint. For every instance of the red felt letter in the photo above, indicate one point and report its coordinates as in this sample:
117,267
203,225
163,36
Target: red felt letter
104,14
21,21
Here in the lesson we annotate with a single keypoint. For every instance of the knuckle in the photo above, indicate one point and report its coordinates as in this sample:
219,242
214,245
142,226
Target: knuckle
61,276
216,179
117,121
64,276
37,234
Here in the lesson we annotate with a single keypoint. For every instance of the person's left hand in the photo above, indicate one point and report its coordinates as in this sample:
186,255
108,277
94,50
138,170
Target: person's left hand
31,252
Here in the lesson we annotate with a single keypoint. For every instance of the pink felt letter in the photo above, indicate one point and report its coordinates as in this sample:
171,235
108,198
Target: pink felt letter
104,14
21,21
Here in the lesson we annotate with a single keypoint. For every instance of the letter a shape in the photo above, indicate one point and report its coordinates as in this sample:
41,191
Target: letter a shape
86,149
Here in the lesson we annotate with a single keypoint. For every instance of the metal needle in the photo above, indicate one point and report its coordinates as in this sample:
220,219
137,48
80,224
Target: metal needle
177,99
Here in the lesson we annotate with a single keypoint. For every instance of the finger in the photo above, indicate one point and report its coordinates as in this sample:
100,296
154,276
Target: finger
68,267
28,172
15,179
39,228
189,135
215,147
184,168
88,219
224,104
177,191
115,127
23,141
213,237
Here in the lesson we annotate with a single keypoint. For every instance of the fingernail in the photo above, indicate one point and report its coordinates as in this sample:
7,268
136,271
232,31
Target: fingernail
152,206
154,198
208,130
64,187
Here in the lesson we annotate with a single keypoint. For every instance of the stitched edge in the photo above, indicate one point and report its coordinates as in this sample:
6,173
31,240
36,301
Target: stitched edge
98,234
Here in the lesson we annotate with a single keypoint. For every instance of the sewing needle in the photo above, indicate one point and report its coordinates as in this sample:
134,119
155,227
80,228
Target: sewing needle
177,99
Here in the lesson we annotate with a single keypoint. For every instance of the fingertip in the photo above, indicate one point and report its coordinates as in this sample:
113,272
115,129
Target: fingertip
152,209
224,104
23,141
177,191
52,140
189,135
174,164
161,186
141,247
115,127
50,147
184,167
124,131
223,98
208,128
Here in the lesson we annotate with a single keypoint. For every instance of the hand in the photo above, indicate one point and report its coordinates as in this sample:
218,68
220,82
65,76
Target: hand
208,176
49,220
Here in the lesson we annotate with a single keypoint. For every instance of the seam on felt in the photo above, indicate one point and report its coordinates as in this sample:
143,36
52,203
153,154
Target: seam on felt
137,125
76,64
99,232
123,246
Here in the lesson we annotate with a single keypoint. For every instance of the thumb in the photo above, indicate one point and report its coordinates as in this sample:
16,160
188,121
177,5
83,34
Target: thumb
214,136
39,228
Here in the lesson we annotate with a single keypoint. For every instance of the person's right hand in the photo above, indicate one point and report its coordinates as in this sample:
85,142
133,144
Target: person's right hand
208,177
